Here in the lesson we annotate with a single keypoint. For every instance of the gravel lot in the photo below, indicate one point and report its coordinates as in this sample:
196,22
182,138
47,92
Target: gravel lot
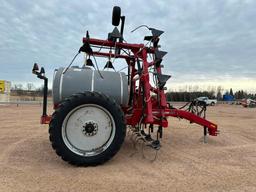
226,163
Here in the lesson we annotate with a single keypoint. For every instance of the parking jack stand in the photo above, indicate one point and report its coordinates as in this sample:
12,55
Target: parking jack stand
205,134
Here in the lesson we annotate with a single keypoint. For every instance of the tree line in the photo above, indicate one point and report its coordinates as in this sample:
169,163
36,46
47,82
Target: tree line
182,95
188,96
28,90
211,94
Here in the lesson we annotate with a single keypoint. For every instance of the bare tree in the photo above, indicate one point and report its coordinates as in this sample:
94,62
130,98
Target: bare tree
219,93
18,86
30,86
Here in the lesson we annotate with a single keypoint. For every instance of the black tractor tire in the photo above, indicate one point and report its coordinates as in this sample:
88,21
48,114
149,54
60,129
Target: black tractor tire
116,15
72,103
212,104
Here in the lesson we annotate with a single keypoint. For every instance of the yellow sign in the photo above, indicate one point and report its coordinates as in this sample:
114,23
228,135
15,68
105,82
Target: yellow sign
2,86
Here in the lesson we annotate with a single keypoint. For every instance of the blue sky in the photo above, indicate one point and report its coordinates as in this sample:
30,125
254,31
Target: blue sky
209,42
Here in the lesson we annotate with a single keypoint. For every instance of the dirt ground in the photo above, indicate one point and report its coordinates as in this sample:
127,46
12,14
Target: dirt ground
226,163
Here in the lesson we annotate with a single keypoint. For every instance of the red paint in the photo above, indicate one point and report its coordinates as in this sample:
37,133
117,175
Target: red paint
145,109
45,119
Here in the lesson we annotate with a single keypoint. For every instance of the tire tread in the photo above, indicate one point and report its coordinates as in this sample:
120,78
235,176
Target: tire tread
58,117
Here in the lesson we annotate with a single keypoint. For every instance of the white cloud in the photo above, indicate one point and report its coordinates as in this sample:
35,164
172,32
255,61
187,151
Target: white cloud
206,40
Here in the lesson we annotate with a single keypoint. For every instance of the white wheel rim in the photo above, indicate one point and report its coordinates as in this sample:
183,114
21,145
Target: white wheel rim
77,138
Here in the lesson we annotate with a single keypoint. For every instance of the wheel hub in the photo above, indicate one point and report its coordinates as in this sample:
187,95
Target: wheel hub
90,129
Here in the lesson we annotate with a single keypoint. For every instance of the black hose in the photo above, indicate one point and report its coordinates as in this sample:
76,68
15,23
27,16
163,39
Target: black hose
70,63
97,67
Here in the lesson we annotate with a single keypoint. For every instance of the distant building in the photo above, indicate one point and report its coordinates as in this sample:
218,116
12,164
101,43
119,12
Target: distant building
228,97
5,90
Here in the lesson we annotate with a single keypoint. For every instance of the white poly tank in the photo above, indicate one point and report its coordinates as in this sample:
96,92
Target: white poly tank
78,80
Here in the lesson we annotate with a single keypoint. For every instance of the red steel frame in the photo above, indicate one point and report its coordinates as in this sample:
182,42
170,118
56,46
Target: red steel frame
151,110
